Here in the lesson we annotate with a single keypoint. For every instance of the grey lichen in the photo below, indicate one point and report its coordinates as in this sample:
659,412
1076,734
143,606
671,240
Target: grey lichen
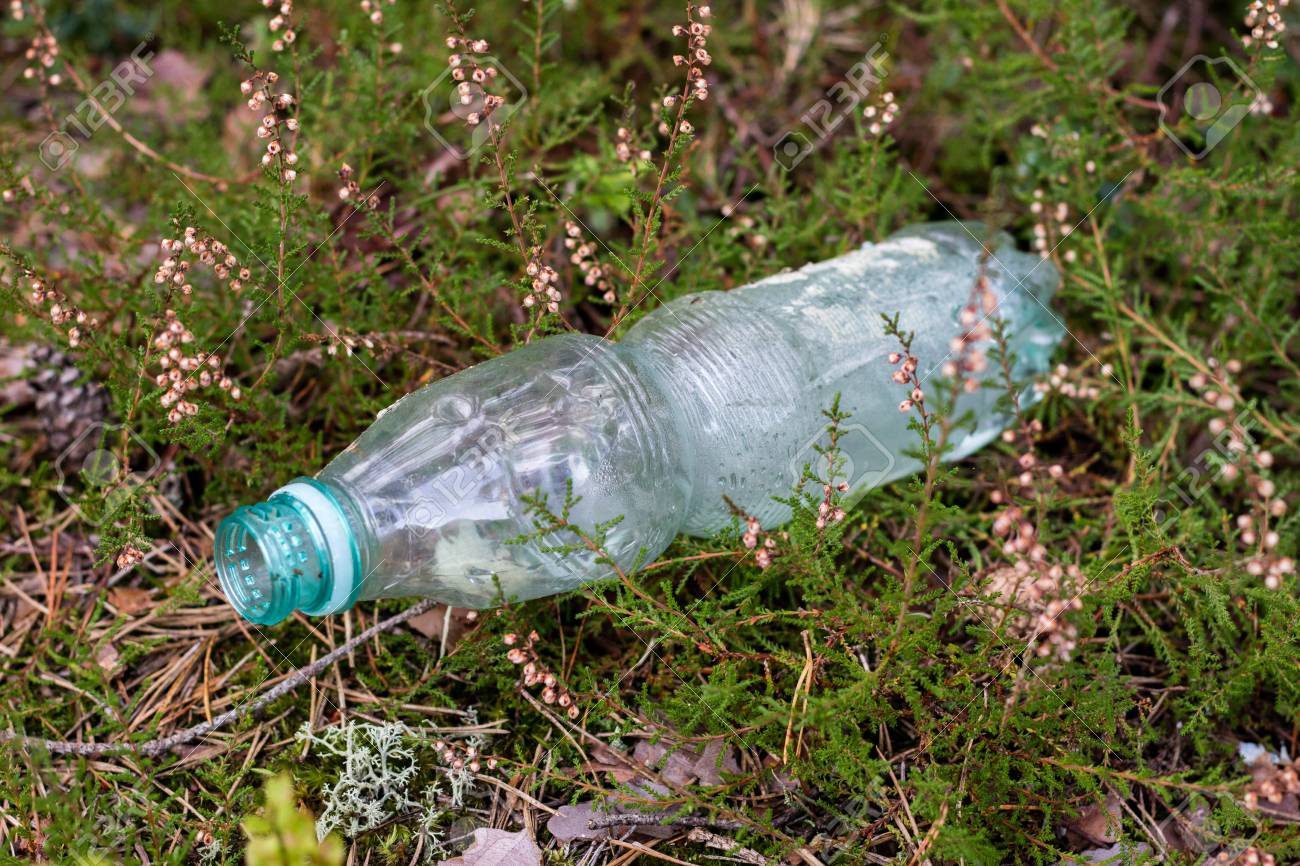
381,777
379,765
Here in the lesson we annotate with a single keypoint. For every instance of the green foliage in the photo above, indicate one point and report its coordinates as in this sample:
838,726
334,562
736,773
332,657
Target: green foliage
879,660
284,834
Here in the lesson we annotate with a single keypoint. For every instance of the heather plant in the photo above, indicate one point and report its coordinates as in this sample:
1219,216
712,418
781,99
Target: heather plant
234,233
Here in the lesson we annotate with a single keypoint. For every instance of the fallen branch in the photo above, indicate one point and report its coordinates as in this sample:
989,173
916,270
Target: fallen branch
153,748
641,819
731,846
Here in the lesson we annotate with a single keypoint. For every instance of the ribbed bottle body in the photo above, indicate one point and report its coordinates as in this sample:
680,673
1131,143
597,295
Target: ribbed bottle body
750,371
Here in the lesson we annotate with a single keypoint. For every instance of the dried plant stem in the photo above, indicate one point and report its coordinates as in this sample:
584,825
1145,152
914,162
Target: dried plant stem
153,748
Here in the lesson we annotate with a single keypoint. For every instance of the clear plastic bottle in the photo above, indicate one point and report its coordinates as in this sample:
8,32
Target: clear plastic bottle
715,394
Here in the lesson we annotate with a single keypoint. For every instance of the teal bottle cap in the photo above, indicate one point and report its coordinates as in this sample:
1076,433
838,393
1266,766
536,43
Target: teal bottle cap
295,551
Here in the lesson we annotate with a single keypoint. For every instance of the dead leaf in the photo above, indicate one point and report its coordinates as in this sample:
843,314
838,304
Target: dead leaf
238,129
716,759
607,754
618,772
107,657
676,766
430,623
572,823
1097,825
130,600
498,848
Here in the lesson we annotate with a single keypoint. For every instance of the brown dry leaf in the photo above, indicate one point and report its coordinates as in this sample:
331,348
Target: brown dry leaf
498,848
716,759
681,766
619,772
130,600
1262,768
107,657
430,623
1119,854
607,754
239,137
1097,825
677,766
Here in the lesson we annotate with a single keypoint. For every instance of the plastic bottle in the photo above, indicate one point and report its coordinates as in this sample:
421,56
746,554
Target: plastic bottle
714,394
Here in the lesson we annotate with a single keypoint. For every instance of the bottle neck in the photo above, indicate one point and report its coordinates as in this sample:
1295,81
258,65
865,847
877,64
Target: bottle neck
298,550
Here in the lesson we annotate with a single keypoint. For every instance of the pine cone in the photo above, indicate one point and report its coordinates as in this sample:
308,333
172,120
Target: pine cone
66,404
